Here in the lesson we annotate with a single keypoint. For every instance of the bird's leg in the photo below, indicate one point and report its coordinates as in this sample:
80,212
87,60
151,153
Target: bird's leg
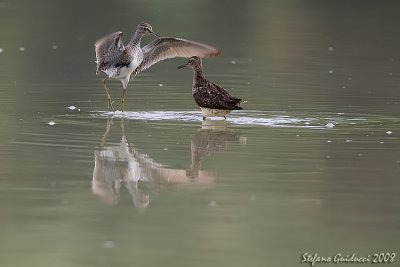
103,139
125,82
123,100
107,94
204,118
225,117
122,126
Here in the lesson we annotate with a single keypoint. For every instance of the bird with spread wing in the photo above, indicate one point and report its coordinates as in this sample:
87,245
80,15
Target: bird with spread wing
119,61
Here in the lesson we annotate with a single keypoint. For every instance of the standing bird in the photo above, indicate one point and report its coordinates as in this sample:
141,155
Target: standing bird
120,61
213,100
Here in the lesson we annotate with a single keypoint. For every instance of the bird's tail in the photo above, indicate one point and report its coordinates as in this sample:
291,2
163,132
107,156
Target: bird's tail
240,102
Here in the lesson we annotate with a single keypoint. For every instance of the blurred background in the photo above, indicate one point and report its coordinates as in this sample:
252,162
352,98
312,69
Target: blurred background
311,164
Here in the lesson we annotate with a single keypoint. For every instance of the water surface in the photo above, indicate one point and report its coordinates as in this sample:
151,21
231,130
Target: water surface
311,164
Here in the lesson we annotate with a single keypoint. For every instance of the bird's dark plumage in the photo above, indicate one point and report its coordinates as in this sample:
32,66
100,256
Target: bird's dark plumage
210,97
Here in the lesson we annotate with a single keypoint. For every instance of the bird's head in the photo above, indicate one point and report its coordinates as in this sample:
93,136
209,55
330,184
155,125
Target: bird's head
193,62
145,28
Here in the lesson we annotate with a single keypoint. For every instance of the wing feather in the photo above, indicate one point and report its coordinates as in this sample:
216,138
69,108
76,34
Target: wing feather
107,49
167,47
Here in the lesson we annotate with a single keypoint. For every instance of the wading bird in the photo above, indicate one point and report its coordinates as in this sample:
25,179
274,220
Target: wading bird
120,61
213,100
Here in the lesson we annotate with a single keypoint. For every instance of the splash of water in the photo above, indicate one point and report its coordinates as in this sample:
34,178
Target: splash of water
250,118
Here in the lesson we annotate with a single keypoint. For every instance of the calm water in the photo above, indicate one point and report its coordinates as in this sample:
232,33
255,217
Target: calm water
311,164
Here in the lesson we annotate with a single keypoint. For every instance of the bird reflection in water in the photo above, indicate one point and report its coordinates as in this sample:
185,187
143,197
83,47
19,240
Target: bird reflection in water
124,165
213,136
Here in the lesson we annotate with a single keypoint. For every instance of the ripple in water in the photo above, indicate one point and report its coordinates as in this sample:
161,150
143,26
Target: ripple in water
250,118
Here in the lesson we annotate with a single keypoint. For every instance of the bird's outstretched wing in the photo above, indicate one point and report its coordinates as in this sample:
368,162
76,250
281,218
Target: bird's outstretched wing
167,47
107,49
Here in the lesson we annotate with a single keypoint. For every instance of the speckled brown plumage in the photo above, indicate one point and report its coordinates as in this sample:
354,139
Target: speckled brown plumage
209,95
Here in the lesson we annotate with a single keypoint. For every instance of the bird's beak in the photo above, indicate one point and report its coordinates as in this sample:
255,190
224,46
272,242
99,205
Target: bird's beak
156,35
182,66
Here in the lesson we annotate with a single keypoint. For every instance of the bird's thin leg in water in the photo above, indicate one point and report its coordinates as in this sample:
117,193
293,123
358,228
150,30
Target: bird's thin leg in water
123,100
107,94
103,139
122,126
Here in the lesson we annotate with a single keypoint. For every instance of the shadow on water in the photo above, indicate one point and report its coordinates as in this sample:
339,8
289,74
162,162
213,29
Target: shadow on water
125,165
